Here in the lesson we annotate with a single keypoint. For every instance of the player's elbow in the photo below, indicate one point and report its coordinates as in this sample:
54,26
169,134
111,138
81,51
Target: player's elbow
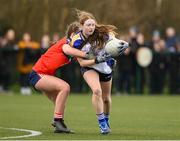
67,49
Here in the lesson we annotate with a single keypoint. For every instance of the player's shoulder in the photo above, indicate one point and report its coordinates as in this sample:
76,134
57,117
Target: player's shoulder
77,40
63,40
60,42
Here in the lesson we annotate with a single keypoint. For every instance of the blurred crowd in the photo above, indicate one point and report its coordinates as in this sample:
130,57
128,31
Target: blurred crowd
161,76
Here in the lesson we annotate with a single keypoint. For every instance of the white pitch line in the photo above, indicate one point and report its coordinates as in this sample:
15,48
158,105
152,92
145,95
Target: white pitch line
32,133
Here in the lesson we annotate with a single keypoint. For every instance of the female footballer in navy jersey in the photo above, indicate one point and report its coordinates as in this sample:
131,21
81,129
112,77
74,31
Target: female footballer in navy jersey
97,74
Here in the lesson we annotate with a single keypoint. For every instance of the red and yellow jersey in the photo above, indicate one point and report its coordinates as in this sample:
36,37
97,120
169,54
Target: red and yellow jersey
54,58
32,45
24,62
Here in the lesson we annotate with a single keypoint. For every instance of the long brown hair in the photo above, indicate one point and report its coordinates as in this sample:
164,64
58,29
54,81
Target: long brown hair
101,32
83,16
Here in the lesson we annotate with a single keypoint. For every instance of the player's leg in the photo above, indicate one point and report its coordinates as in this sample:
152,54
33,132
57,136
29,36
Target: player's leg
58,122
106,96
92,79
52,96
56,90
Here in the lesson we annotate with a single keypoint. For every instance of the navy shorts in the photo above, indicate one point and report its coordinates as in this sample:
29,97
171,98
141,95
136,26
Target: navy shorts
34,77
102,77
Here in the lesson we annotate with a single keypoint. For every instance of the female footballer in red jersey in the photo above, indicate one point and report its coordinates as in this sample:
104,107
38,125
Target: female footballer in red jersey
42,76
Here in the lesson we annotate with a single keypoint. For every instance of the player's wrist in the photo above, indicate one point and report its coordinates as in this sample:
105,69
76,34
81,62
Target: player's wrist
89,56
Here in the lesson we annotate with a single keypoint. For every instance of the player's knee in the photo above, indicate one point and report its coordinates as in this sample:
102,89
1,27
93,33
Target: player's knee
66,89
106,100
97,92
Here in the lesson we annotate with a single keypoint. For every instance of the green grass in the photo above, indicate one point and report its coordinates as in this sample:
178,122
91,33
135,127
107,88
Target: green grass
132,117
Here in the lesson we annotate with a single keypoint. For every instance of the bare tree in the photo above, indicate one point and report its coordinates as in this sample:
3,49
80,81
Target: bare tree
46,16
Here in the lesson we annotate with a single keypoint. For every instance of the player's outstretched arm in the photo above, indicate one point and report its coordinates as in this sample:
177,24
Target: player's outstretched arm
85,63
98,59
68,50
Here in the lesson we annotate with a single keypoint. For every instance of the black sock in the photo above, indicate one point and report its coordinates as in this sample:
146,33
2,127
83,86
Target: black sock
58,119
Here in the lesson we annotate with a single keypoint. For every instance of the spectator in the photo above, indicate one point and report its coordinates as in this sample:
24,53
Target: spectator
139,70
8,59
173,62
171,39
123,72
55,37
45,43
133,32
26,58
157,68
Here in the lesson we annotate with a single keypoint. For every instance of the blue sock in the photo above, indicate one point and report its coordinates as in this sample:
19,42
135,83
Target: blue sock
103,124
100,116
107,119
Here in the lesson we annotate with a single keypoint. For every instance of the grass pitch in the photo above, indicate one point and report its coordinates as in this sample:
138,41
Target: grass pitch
132,117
